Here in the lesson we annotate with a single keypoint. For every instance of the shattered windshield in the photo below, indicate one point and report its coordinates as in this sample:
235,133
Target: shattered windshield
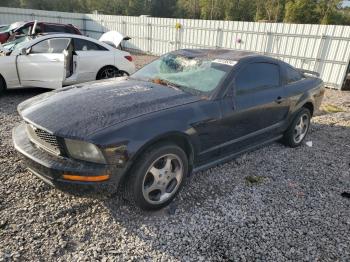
16,44
15,25
191,74
4,28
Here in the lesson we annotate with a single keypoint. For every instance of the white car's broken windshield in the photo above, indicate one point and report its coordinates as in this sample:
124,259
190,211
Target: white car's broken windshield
195,75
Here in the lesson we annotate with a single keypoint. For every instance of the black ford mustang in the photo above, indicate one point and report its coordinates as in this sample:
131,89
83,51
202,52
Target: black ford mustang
184,112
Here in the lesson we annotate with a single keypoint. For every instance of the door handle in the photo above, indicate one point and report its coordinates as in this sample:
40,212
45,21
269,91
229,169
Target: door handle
55,60
279,100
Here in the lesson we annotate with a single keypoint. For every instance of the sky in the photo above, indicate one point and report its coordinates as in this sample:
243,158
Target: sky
346,3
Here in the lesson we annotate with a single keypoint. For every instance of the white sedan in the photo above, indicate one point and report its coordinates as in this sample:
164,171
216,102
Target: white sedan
57,60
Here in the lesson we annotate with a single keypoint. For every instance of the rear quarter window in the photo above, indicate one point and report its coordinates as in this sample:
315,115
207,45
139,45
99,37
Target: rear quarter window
85,45
292,75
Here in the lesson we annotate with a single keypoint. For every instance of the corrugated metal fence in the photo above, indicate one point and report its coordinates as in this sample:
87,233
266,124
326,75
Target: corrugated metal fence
321,48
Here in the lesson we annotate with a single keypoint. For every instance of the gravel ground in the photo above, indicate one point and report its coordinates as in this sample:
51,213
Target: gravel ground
274,204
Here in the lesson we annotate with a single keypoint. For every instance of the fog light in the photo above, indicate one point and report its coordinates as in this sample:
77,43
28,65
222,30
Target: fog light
73,177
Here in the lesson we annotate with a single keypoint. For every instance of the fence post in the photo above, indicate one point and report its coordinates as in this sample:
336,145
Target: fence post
178,37
149,38
268,43
124,28
219,38
84,26
102,27
321,53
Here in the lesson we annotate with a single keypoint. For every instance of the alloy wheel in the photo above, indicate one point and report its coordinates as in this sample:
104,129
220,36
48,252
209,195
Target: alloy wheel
162,179
111,73
301,128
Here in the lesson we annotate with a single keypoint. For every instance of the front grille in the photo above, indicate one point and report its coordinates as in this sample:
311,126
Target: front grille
43,139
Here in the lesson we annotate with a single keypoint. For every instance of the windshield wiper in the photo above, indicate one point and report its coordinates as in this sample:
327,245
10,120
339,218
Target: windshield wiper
167,83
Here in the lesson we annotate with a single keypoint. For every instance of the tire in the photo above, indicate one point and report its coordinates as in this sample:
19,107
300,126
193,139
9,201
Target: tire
297,131
151,183
110,72
2,85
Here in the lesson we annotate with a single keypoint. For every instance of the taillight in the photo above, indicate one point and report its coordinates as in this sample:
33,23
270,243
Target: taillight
128,57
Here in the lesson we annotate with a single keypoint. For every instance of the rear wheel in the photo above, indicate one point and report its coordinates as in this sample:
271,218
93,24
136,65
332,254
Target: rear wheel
297,131
110,72
156,177
2,85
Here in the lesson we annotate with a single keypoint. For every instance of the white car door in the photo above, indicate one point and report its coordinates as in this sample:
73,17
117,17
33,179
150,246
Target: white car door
44,65
90,58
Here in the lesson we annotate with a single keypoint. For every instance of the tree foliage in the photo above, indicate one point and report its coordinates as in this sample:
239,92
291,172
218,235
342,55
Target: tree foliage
291,11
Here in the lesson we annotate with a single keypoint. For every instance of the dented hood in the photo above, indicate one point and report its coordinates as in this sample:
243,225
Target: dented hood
81,110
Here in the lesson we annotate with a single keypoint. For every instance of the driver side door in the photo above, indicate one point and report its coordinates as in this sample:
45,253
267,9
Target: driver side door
44,64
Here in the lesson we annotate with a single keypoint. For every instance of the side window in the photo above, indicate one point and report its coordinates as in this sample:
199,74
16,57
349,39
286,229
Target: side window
292,75
85,45
24,30
53,46
258,76
54,28
70,30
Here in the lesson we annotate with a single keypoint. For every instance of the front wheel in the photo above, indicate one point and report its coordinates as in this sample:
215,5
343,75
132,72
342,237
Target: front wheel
299,128
156,177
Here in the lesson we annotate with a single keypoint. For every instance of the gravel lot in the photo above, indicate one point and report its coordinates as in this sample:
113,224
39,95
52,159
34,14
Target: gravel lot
273,204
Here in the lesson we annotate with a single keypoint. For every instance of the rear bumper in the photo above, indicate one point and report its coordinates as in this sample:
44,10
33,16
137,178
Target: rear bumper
50,168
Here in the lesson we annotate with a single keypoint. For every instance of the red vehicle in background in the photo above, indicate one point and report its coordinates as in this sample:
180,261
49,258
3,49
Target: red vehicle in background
9,32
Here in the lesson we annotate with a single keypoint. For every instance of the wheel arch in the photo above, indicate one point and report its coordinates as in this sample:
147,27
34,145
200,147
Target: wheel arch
3,80
178,138
309,105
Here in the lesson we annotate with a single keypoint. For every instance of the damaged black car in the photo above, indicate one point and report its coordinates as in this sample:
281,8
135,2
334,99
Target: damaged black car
187,111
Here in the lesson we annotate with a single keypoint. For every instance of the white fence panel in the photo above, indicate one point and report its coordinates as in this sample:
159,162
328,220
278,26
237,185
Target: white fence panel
321,48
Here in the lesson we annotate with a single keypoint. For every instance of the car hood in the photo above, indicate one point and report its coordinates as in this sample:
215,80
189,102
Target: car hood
81,110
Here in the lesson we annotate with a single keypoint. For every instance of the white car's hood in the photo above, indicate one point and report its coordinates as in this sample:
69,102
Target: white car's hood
112,37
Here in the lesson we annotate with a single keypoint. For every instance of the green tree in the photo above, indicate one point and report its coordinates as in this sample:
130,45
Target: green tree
270,10
301,11
239,10
188,9
212,9
163,8
328,11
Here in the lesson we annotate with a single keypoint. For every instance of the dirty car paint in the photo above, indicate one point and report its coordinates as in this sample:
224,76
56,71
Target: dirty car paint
78,111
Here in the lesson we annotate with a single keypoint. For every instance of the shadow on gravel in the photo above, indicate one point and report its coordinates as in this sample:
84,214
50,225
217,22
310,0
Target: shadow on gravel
218,185
24,92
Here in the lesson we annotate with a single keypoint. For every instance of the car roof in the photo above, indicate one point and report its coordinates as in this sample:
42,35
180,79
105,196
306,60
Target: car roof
21,23
219,53
45,36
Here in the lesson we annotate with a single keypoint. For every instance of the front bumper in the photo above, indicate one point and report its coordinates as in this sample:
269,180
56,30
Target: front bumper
50,168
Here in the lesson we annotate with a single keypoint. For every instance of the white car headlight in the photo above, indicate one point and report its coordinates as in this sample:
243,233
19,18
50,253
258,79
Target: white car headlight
84,151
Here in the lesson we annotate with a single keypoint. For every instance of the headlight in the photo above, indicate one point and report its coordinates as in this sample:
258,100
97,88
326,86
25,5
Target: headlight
84,151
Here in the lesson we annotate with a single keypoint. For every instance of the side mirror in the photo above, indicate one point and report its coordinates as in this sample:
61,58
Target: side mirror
25,51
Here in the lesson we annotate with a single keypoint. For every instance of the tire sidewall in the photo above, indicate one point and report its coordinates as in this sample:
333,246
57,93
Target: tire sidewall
143,165
99,75
2,85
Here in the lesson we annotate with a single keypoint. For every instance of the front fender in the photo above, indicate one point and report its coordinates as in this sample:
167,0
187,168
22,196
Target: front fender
139,133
